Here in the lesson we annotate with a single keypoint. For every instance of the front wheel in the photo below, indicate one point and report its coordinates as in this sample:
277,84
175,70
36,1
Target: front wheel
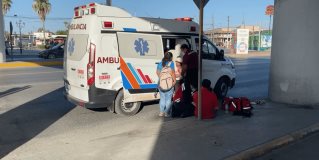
128,109
221,88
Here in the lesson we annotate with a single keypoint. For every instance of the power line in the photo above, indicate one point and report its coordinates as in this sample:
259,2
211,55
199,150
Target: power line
48,18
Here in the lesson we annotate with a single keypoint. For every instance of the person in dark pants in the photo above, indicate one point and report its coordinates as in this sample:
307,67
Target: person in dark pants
189,72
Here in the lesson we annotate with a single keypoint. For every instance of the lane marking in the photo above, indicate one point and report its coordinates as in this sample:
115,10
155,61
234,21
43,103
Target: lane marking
18,74
32,84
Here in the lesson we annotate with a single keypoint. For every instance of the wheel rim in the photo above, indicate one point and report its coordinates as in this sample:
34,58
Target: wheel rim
128,107
224,89
51,56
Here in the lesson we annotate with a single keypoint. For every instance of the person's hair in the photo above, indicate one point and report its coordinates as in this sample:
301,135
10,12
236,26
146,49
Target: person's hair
184,46
165,50
206,83
167,58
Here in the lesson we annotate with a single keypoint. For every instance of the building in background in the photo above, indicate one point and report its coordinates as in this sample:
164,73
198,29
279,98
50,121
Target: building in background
259,39
39,37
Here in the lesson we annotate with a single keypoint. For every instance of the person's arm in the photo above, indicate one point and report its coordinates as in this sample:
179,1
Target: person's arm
184,66
158,70
173,72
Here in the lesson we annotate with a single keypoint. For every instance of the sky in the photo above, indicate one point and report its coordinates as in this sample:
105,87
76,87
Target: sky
252,12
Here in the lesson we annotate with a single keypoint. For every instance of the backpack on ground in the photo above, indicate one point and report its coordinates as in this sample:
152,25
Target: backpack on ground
166,81
238,106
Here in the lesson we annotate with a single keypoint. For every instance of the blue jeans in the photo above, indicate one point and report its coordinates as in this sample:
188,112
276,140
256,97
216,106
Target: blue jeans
166,100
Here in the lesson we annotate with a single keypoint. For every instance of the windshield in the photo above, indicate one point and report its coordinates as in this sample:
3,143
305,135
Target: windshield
57,46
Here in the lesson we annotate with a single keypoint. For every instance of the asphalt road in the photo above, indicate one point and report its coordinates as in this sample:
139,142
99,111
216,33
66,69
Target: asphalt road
33,112
304,149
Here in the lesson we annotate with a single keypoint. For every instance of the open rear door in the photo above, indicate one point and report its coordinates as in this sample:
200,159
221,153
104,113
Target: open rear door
139,56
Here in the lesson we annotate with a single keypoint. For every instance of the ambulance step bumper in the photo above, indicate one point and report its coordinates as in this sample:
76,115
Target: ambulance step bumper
98,99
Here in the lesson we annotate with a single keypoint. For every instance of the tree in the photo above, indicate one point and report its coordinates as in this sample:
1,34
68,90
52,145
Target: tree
42,7
6,5
67,25
61,32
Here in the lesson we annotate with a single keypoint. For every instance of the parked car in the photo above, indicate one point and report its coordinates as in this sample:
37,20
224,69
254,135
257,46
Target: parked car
52,53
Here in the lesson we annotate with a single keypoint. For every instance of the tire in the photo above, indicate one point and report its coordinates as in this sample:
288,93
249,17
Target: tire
221,88
51,56
128,109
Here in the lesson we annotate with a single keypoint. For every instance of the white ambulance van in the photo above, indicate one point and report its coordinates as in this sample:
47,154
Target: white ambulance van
111,57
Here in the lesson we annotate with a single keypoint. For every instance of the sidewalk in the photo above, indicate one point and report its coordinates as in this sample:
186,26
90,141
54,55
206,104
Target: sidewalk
234,137
30,61
250,54
148,137
28,58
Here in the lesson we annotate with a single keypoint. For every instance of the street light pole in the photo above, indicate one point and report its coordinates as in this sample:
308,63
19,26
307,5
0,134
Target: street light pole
201,14
109,2
20,25
2,45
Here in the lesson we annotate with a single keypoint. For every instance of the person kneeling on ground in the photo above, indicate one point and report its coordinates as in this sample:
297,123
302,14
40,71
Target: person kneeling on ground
209,101
181,108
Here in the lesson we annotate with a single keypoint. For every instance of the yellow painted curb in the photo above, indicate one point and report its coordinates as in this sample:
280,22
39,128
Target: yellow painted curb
29,64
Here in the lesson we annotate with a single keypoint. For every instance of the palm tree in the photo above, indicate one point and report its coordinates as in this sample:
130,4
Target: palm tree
42,7
6,5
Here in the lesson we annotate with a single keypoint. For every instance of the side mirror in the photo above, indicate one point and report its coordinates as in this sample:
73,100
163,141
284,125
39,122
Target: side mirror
221,54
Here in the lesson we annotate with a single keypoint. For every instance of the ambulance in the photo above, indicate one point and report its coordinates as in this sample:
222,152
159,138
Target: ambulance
111,57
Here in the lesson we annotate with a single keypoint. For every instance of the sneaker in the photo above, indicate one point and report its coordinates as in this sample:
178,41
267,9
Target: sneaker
161,114
167,115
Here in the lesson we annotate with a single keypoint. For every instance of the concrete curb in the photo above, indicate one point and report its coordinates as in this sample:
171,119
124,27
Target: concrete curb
262,149
30,64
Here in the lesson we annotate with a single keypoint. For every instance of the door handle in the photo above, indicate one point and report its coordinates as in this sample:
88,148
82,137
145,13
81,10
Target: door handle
73,69
156,62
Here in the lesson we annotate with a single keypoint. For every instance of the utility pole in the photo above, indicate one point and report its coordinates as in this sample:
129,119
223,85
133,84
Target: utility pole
20,25
213,28
244,23
109,2
228,32
269,24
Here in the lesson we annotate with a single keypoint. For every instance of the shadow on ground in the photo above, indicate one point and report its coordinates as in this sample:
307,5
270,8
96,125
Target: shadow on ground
23,123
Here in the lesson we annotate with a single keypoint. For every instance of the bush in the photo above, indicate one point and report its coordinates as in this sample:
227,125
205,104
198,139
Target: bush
41,46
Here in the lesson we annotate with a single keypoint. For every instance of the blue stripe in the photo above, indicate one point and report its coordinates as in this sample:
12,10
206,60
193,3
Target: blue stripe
148,86
134,73
126,83
129,29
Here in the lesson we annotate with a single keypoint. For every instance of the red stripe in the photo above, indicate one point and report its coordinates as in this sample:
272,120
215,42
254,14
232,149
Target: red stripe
148,79
142,75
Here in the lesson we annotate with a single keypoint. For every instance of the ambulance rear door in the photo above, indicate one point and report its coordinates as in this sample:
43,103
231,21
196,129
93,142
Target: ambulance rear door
139,56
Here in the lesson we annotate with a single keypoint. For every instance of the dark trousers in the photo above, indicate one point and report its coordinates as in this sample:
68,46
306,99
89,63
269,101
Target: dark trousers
190,82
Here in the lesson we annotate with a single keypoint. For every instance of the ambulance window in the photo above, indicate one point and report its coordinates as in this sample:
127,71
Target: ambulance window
208,50
169,43
142,46
211,48
77,46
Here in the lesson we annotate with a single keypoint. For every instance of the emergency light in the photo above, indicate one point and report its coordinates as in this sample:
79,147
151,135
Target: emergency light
107,25
84,10
184,19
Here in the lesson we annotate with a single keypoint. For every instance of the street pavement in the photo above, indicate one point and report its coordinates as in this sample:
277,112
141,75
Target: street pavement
36,122
305,149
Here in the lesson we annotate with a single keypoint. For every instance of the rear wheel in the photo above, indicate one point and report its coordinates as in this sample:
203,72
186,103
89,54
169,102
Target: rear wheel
221,87
51,56
128,109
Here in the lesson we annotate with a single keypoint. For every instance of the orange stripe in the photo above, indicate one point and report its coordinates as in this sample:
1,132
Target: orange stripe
128,74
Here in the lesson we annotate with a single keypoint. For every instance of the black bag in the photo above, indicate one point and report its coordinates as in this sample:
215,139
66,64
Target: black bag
180,109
